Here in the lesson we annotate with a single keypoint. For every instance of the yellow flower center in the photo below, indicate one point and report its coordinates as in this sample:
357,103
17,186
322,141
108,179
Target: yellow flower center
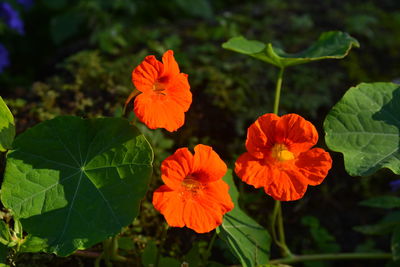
191,184
281,153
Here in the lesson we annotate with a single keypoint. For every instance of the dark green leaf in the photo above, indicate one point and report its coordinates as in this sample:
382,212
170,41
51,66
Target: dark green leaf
384,202
364,126
5,237
332,44
149,257
3,254
246,239
385,226
76,182
7,127
65,26
395,246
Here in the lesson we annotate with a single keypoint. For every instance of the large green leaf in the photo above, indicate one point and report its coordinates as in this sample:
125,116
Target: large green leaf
333,44
75,182
364,125
246,239
7,127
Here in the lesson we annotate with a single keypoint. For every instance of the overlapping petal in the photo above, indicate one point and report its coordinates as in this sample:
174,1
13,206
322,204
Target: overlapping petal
207,165
176,167
280,157
169,203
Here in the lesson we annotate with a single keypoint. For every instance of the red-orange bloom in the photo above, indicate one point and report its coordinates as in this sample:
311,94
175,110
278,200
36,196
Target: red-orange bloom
194,195
280,159
165,92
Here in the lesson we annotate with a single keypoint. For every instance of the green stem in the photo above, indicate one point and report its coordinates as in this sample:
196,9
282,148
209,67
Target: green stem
210,245
334,256
278,90
162,241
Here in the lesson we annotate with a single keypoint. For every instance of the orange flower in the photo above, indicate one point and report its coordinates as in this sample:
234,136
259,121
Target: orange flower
194,195
280,159
165,93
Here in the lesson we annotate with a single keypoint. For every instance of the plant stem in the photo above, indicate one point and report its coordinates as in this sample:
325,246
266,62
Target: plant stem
278,90
210,245
334,256
277,220
162,241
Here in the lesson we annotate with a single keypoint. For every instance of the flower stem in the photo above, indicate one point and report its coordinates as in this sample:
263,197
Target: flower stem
162,241
278,90
277,220
334,256
210,245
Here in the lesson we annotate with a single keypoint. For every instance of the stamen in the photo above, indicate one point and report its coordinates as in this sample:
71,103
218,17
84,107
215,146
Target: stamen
281,153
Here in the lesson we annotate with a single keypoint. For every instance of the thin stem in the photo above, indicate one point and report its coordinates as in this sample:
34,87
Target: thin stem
162,241
334,256
277,222
210,245
278,90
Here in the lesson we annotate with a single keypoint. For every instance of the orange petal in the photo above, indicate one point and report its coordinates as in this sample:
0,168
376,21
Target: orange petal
176,167
252,171
258,135
207,165
296,133
159,111
146,74
314,164
286,185
202,215
178,89
171,67
170,204
218,192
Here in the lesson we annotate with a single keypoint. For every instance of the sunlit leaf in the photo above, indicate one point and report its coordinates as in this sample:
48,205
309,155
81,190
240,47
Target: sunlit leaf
75,182
333,44
364,126
246,239
7,127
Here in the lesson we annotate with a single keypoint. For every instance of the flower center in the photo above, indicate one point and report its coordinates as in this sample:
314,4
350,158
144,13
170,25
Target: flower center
191,184
158,88
281,153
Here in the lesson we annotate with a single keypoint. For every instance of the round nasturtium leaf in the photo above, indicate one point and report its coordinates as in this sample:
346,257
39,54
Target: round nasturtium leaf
333,44
75,182
7,127
365,126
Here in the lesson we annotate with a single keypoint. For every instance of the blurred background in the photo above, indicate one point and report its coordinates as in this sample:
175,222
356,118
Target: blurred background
71,57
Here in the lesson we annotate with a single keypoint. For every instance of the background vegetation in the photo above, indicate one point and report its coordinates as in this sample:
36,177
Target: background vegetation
76,58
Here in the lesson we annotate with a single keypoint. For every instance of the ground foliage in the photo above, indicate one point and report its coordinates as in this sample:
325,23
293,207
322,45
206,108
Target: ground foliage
83,68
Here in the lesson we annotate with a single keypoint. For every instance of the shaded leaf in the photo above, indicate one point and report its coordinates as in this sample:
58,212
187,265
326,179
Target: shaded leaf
364,126
76,182
385,226
246,239
149,257
384,202
333,44
7,127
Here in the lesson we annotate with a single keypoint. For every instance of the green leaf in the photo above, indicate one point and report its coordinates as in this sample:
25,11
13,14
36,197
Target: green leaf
385,226
33,244
3,254
384,202
7,127
333,44
149,257
395,246
76,182
5,237
364,126
246,239
65,26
